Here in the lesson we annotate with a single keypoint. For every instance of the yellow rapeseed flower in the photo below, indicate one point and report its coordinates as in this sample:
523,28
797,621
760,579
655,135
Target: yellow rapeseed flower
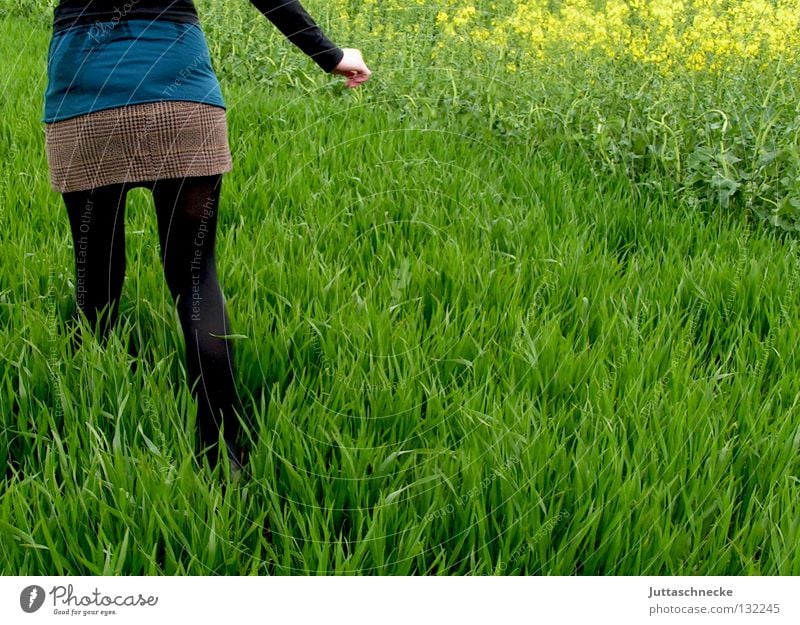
664,35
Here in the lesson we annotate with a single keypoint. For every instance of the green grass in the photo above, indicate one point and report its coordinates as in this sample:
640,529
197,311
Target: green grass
470,348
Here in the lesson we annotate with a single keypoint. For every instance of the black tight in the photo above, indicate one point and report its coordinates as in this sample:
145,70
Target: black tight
186,210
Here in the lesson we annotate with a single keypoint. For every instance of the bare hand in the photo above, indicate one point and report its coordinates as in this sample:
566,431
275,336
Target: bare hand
352,65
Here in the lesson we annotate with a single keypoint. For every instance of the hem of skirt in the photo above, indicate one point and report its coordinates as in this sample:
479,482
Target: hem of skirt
70,186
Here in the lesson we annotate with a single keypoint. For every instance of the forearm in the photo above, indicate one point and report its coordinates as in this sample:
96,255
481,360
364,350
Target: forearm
297,26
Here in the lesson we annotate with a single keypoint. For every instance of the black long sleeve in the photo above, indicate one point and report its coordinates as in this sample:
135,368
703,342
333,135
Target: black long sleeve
296,24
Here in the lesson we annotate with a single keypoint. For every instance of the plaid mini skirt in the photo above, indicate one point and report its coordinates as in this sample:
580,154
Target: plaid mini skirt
137,143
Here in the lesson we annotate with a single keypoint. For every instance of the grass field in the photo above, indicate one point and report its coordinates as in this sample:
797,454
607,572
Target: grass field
498,316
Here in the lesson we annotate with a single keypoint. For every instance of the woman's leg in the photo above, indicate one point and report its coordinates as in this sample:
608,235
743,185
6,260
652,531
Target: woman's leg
187,209
97,221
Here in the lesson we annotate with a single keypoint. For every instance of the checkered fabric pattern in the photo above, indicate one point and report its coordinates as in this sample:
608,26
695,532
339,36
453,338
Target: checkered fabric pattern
137,143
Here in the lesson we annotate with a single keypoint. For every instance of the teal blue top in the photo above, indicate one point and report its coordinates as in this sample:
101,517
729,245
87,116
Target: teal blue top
110,64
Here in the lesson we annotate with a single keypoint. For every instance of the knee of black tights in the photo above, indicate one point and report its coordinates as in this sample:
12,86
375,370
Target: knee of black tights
99,291
187,272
